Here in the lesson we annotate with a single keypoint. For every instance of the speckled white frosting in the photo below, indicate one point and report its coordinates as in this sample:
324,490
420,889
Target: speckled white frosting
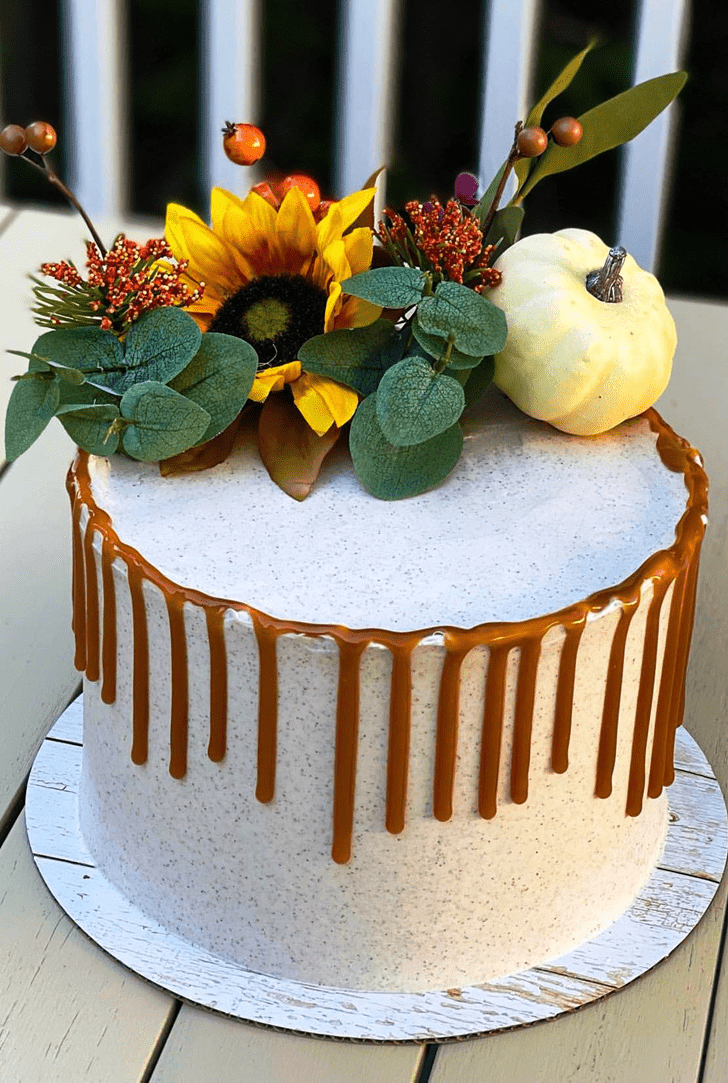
529,521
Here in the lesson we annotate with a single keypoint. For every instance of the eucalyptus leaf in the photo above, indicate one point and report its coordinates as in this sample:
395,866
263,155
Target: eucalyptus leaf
414,403
559,85
356,357
158,347
31,406
88,349
479,380
478,326
164,423
218,378
505,226
40,364
390,287
88,426
435,346
610,124
391,473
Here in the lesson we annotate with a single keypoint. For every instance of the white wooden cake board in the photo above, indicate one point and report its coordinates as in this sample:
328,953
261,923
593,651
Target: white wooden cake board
666,910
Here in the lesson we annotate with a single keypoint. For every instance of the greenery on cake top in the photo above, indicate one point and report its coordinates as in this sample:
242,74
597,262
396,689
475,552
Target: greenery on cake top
285,308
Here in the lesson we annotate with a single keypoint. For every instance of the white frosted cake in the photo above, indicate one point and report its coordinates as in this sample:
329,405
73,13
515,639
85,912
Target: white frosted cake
388,745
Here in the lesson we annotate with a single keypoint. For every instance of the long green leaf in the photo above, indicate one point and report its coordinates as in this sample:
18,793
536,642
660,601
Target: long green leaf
610,124
559,85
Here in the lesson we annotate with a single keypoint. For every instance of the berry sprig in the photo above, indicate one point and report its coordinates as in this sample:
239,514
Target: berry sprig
40,138
123,283
531,142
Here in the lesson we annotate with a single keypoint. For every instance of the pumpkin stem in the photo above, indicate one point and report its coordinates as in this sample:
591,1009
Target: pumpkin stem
606,283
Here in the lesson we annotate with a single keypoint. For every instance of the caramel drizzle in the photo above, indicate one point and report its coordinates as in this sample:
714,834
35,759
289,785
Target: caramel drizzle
679,563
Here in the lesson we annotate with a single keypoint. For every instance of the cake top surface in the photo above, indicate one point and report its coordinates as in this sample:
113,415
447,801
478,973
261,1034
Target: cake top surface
530,520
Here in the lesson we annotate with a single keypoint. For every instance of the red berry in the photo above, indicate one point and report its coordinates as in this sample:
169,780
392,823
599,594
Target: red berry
323,209
566,131
531,142
308,186
267,192
12,139
41,137
243,143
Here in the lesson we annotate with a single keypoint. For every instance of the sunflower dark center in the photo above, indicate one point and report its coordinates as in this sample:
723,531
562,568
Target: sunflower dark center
276,314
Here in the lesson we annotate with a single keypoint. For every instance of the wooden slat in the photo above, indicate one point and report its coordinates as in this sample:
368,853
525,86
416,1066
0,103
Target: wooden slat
230,51
367,58
647,159
509,47
245,1054
95,78
67,1011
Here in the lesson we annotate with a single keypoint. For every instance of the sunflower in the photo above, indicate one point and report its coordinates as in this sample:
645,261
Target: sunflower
274,278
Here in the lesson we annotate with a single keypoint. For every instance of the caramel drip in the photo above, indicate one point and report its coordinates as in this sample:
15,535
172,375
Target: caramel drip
446,745
179,681
490,748
345,753
79,589
267,710
565,697
108,642
530,652
92,606
677,563
400,722
607,754
660,742
217,746
677,703
140,680
645,696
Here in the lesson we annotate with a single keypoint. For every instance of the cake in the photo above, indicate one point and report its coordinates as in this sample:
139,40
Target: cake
368,772
382,674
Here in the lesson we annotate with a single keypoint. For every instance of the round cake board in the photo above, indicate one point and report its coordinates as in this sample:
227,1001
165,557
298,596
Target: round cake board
663,914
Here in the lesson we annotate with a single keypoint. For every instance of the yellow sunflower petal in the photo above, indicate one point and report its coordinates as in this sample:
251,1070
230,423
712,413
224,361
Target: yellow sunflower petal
359,246
274,379
323,402
329,229
350,207
260,214
335,259
295,232
173,231
355,313
333,304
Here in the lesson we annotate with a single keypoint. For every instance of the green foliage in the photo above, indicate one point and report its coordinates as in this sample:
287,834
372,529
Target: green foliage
158,347
162,422
32,404
608,125
88,349
91,427
390,287
40,364
218,378
560,83
391,473
357,357
456,313
479,380
414,403
505,226
436,346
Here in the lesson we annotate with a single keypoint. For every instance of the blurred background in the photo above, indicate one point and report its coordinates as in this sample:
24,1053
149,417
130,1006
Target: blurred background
435,110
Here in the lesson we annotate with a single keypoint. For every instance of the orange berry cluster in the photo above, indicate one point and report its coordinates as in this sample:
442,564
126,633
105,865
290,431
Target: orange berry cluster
447,240
120,286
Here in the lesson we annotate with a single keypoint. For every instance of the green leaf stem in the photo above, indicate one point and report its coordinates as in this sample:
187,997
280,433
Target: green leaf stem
435,346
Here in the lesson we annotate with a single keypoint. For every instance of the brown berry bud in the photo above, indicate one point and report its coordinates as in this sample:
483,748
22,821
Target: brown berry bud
41,137
531,142
12,139
243,143
566,131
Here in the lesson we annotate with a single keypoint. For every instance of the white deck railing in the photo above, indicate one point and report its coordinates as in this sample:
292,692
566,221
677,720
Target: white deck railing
370,41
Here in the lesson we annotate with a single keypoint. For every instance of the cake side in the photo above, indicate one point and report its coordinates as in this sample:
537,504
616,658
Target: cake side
446,756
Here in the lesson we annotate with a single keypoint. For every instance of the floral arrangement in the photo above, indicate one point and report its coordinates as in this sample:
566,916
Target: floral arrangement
310,318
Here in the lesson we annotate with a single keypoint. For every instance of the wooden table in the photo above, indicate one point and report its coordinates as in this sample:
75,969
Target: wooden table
70,1013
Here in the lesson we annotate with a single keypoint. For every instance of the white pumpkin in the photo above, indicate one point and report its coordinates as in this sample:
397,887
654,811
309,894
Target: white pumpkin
578,362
